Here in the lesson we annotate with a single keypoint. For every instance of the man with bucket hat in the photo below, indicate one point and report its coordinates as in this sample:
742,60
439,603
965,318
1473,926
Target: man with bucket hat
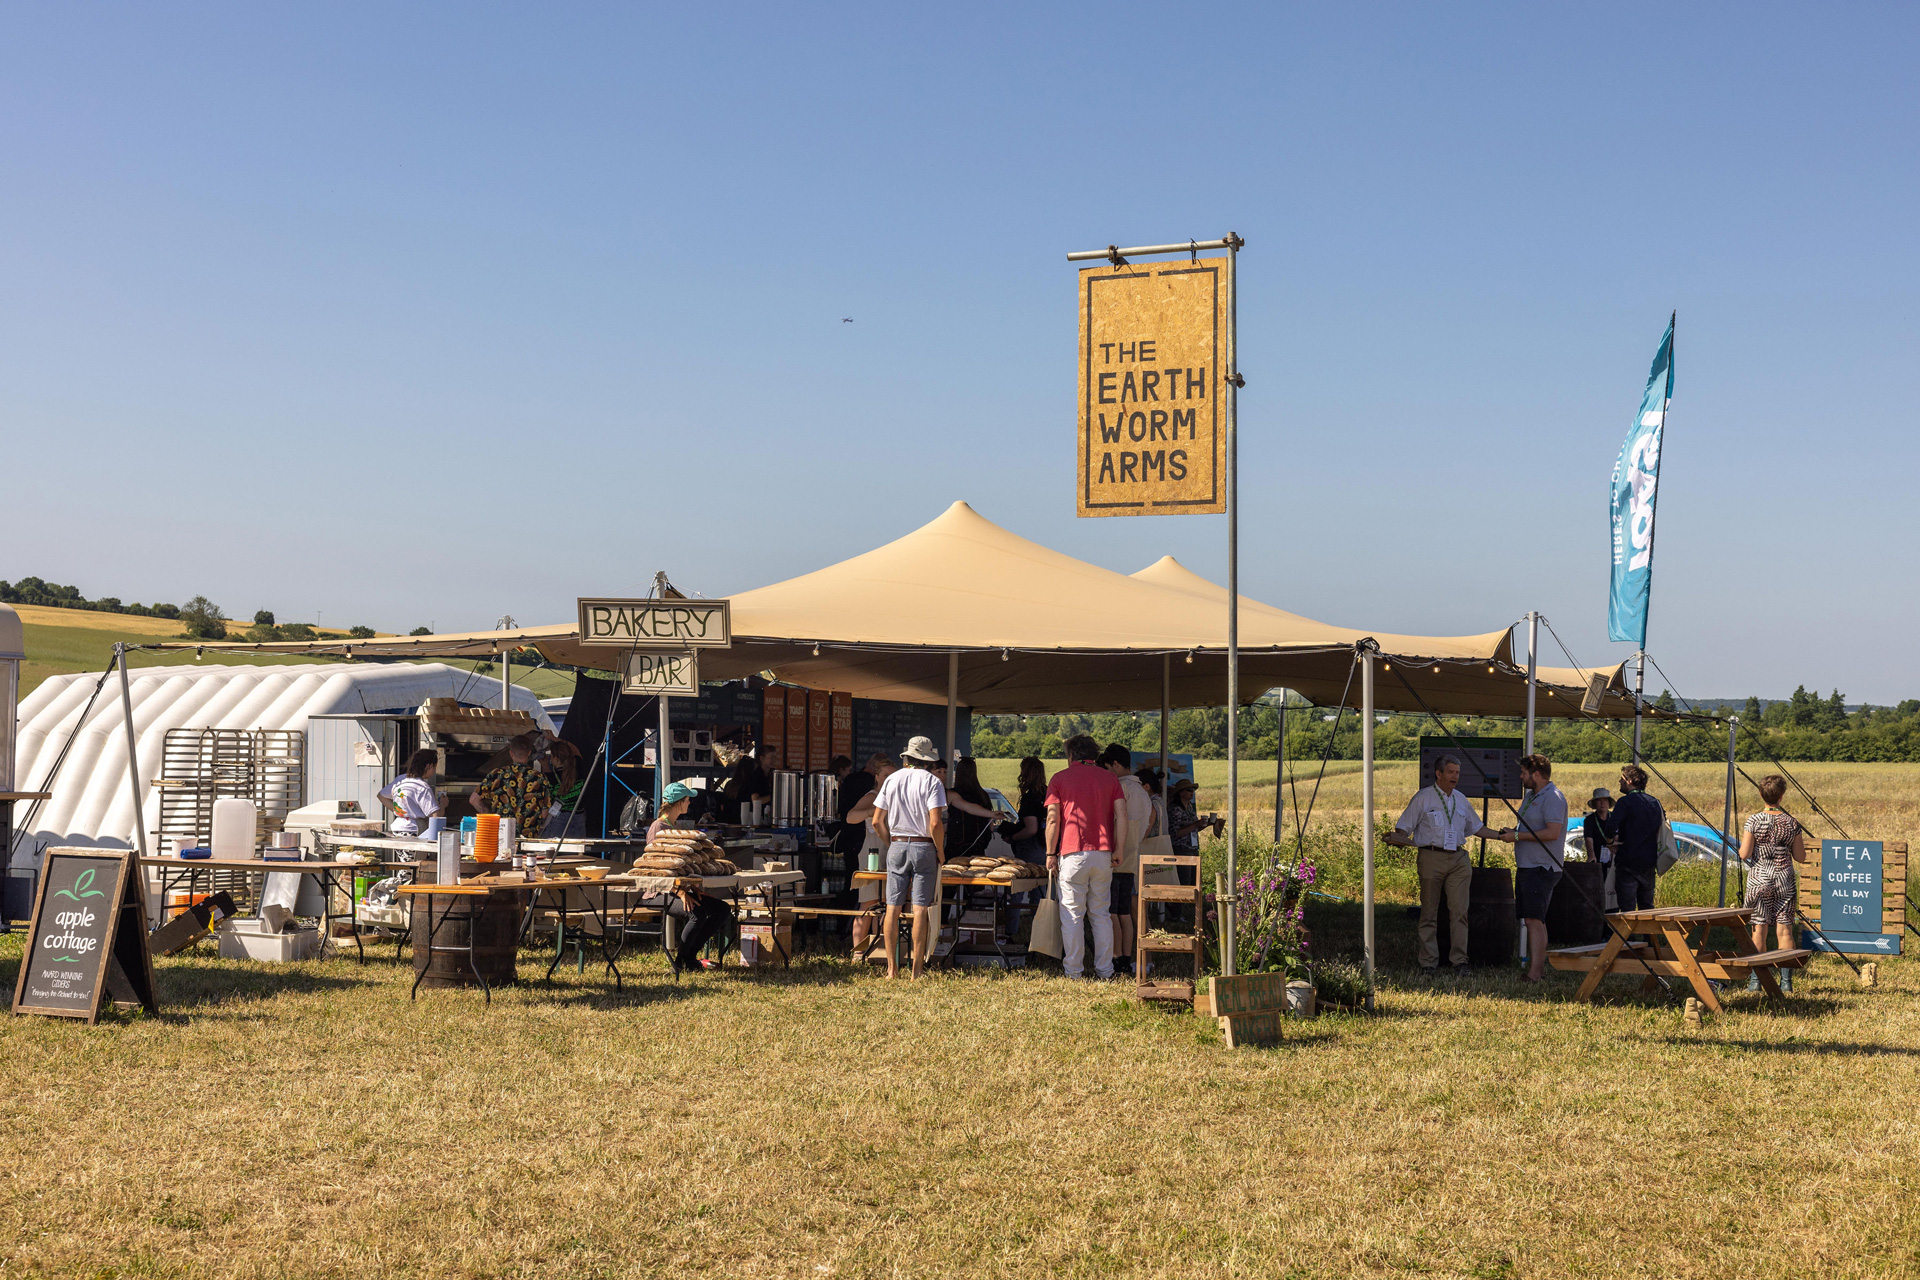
910,818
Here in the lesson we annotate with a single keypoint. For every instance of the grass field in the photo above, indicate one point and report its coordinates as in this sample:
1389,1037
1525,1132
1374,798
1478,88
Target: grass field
64,641
308,1120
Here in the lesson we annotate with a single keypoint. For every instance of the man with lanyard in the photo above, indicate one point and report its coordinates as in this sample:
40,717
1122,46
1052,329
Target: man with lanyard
1537,837
1635,822
1438,822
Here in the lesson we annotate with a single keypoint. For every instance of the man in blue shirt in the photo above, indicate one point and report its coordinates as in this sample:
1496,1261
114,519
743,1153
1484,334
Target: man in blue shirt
1636,819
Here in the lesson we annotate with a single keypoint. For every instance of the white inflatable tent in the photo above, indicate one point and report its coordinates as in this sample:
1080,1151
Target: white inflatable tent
92,803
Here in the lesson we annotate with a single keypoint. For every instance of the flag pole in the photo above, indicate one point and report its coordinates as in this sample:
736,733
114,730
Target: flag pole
1653,529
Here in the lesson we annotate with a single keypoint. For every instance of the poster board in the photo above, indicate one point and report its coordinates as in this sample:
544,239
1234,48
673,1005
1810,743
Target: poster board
795,756
1489,767
1856,891
1152,429
773,719
87,939
842,734
675,673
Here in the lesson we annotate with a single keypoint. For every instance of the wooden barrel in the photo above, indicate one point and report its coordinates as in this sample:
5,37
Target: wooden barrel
1574,917
495,929
1493,931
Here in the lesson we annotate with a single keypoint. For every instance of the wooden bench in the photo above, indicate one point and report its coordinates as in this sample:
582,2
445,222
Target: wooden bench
1794,958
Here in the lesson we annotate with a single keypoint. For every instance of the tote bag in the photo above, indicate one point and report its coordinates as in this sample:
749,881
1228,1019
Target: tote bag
1046,925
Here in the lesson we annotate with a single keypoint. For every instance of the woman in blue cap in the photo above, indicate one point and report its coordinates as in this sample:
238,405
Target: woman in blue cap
698,916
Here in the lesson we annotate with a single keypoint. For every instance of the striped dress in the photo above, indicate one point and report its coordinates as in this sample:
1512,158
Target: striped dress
1771,887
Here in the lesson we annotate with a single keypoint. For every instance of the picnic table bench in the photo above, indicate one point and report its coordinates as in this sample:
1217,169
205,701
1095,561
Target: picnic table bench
1672,943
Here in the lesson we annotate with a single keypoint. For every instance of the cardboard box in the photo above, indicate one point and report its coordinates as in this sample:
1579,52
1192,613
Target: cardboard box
757,944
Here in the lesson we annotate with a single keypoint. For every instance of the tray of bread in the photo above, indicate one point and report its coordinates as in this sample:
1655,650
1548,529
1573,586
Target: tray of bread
680,851
1005,870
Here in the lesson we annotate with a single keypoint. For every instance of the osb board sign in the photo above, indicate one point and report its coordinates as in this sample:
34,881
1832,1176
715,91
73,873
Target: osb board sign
1153,430
1250,1006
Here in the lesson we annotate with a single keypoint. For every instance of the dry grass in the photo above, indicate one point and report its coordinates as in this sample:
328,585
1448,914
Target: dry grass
307,1120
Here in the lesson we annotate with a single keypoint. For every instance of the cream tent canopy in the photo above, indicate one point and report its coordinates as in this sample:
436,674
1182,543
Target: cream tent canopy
1035,631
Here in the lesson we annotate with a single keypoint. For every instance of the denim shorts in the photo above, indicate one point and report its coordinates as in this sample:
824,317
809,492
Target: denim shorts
913,871
1533,891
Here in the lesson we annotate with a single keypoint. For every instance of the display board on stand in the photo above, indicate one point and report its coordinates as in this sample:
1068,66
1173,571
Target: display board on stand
1856,891
1489,767
87,939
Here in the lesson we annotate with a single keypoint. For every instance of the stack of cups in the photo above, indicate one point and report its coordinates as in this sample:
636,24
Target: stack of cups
486,837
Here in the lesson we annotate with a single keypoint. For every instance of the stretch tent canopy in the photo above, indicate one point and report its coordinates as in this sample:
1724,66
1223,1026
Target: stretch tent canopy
1034,630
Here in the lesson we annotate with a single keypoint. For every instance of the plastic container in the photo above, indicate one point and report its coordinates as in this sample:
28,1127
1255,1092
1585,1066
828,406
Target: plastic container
246,938
486,837
235,827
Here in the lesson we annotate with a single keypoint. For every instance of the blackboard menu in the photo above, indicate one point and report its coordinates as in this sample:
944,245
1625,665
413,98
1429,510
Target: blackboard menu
884,727
87,940
1489,767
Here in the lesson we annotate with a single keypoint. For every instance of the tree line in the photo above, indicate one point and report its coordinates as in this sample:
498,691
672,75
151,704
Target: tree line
199,617
1803,727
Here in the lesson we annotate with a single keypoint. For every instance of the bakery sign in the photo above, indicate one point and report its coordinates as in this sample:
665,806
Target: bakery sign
1153,430
656,624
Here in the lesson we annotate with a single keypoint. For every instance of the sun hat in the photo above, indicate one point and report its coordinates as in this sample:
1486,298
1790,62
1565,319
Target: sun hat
1599,794
1186,784
920,749
675,793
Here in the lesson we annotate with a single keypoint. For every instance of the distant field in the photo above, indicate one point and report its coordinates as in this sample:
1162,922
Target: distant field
65,641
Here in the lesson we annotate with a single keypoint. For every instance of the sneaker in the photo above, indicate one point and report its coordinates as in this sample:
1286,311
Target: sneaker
1786,981
1429,970
1753,981
1124,964
1463,971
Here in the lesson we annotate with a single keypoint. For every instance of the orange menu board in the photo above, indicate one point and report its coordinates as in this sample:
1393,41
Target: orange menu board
819,731
842,732
795,756
773,719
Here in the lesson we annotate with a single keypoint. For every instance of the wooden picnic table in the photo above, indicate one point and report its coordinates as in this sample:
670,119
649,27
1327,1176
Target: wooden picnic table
1000,896
1671,943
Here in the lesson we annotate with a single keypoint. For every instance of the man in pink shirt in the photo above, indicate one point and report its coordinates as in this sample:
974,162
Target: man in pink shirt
1086,819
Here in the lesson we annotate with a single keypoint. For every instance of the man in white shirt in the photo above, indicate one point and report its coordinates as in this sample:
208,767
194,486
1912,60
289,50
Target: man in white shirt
1438,822
910,817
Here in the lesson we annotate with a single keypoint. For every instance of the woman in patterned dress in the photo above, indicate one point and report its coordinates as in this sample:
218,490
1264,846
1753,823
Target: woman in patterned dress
1771,845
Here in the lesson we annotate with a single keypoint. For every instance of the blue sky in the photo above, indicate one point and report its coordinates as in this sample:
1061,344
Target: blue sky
416,314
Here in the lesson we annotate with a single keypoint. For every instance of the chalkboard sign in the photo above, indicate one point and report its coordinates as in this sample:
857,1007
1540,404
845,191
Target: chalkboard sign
884,728
88,939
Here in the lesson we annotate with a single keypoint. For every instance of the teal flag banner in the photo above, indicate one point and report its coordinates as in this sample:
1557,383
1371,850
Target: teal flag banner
1636,482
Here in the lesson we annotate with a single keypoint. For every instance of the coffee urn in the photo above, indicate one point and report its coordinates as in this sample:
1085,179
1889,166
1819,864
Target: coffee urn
789,798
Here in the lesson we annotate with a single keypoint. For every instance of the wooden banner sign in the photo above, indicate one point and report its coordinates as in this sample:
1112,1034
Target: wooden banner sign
655,624
88,938
663,671
1153,428
1250,1006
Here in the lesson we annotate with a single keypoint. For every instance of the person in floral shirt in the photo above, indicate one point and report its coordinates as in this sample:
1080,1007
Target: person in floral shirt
517,790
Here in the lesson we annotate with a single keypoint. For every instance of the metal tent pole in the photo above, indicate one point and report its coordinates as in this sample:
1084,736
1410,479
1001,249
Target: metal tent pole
506,680
1166,712
1533,668
133,751
1280,770
1726,815
663,760
1366,806
1229,924
953,705
1639,691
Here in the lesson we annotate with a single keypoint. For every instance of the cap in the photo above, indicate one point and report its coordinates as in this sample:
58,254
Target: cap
920,749
675,793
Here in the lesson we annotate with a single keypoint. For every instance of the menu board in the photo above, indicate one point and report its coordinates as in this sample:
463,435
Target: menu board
842,732
773,723
795,756
884,727
819,730
88,937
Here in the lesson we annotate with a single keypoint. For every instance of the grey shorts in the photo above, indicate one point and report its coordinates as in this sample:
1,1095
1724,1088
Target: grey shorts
913,873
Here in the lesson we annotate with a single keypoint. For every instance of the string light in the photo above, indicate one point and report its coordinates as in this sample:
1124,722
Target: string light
1006,655
1189,657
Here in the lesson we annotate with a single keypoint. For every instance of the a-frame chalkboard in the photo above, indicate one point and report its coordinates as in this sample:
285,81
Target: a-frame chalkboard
87,943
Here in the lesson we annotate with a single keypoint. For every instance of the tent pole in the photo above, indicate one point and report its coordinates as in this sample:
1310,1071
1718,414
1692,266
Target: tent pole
1366,805
1228,912
1533,668
953,704
1639,689
1726,819
1280,770
506,681
1166,712
133,751
663,761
